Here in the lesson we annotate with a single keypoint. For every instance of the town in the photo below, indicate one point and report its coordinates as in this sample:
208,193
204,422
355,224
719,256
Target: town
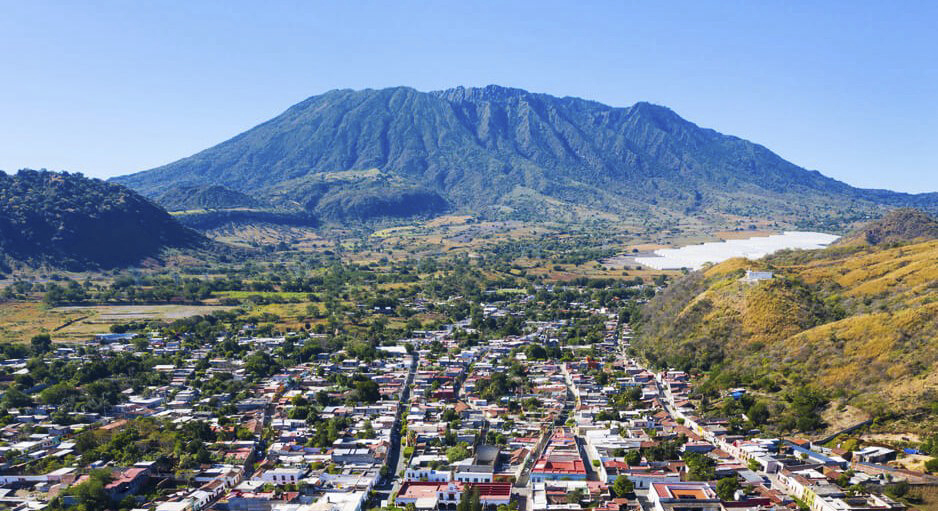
557,415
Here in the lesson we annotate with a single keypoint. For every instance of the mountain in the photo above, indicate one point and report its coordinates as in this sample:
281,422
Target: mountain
856,324
504,151
73,222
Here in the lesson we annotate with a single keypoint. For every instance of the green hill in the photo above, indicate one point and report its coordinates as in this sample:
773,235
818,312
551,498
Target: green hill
857,322
180,198
508,152
73,222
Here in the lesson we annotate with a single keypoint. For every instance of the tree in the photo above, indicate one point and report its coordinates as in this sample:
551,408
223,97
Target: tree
931,465
141,343
898,490
536,352
261,364
699,466
475,502
91,494
58,394
758,413
41,343
367,391
464,499
633,457
623,486
457,452
754,465
726,488
16,398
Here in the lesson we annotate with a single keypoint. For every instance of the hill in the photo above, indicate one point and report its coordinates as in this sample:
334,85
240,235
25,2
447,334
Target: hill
180,198
855,324
73,222
899,226
510,153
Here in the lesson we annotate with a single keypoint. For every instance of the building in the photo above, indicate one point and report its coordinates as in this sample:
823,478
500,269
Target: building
561,460
482,468
756,276
691,496
874,454
446,496
283,475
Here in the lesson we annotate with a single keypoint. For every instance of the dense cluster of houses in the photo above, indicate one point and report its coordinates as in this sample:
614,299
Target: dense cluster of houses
495,421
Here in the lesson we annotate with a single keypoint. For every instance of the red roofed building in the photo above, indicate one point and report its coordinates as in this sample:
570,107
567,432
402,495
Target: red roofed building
445,496
561,460
127,482
689,496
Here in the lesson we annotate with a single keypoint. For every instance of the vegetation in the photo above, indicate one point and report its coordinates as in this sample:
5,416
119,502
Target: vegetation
700,467
849,324
623,486
726,488
70,221
349,156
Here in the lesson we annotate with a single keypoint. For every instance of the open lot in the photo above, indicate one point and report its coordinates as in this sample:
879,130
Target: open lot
19,321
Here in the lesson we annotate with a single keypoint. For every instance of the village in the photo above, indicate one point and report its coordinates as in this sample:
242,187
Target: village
433,422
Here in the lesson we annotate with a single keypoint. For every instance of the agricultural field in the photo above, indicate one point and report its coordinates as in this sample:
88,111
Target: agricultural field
19,321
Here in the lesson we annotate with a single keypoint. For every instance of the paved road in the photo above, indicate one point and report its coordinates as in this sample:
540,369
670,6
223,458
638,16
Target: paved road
392,483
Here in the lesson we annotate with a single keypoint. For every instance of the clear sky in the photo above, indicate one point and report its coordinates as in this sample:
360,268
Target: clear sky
107,88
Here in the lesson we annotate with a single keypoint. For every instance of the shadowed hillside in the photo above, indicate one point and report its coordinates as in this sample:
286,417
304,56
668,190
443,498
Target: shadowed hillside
69,221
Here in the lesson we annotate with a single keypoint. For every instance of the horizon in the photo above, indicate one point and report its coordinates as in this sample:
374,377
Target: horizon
843,89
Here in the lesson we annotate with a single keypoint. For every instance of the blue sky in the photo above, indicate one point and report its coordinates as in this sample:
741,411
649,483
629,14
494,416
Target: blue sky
108,88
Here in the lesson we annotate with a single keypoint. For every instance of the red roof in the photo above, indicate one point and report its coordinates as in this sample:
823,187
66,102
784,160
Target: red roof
125,477
559,467
492,489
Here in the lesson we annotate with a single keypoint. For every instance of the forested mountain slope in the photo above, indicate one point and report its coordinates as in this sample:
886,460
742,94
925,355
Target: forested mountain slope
352,154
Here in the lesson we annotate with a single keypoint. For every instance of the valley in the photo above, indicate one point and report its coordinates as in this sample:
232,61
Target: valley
522,303
468,256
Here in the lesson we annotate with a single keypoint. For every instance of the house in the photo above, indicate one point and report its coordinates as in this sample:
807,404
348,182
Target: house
689,496
561,460
482,469
183,505
756,276
127,482
446,496
283,475
258,501
874,454
332,501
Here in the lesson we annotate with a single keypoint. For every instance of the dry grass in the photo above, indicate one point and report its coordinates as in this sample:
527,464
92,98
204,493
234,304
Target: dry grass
882,357
19,321
928,496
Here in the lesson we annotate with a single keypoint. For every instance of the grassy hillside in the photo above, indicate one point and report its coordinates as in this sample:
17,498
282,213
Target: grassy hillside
858,322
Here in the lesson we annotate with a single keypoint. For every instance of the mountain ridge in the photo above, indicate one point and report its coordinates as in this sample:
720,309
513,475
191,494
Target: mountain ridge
471,148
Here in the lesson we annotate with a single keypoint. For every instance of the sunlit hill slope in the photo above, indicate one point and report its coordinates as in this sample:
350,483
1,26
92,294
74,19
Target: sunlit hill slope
858,320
